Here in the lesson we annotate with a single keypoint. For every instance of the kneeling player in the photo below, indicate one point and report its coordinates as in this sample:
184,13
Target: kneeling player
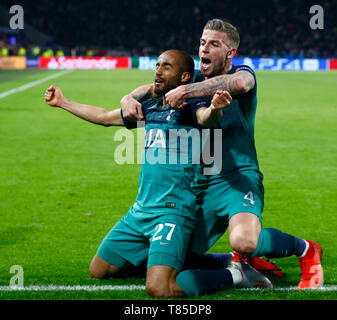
161,221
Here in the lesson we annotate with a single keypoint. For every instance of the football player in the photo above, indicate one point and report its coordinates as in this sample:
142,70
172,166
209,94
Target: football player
159,224
232,199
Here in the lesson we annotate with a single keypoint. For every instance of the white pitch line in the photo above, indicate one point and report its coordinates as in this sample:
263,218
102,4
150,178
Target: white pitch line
136,287
32,84
325,288
72,288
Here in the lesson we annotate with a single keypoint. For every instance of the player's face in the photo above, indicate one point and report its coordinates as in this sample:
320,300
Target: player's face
213,50
168,73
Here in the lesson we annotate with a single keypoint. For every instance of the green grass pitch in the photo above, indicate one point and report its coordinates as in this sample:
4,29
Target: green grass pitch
61,190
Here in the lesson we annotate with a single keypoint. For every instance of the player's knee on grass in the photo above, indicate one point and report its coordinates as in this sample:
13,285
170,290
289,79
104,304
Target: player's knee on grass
242,243
158,289
161,282
244,231
100,269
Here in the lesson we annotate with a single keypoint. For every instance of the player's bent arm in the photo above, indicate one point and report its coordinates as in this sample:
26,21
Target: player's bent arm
143,93
236,83
140,94
97,115
208,117
131,103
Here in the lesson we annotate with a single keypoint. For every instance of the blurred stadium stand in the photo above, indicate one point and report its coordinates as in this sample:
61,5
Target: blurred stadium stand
268,28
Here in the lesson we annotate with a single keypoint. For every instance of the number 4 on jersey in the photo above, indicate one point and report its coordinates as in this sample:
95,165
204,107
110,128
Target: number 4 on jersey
249,196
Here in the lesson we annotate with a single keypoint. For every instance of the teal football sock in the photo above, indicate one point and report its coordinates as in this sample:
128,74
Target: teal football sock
198,282
275,244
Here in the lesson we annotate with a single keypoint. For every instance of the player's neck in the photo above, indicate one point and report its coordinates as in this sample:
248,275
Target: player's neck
228,66
163,103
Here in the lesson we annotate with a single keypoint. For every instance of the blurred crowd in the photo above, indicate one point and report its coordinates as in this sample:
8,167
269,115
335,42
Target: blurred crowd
268,28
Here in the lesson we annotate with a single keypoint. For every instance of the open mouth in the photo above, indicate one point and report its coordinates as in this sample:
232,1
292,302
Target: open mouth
158,80
205,62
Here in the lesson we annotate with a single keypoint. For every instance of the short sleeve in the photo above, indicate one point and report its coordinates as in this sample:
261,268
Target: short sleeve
243,67
195,104
128,124
145,107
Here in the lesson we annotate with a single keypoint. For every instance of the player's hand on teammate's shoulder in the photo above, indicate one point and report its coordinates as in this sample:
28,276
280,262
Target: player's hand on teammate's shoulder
175,97
132,109
53,96
221,99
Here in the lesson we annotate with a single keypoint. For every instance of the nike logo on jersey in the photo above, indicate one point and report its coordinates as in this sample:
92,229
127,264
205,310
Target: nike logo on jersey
248,205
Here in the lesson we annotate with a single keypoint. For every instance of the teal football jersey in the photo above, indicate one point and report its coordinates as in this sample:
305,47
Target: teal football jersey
172,148
235,139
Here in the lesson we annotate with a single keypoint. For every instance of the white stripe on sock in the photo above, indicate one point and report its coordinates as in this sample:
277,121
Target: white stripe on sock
305,250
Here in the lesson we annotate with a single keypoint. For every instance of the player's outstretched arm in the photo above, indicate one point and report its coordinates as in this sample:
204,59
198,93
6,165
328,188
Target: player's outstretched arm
236,83
208,117
131,103
54,97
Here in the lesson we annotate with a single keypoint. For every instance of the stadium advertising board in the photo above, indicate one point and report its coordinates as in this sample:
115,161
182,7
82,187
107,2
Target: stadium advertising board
333,64
85,63
149,63
32,62
13,63
278,64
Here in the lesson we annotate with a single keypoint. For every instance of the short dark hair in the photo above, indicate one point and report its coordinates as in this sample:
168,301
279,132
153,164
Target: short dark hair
225,27
187,63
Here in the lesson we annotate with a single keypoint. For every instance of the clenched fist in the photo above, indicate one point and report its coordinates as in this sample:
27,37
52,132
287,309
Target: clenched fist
221,99
54,97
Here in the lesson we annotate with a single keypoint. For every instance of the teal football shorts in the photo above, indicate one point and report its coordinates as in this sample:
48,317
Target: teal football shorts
221,199
163,238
